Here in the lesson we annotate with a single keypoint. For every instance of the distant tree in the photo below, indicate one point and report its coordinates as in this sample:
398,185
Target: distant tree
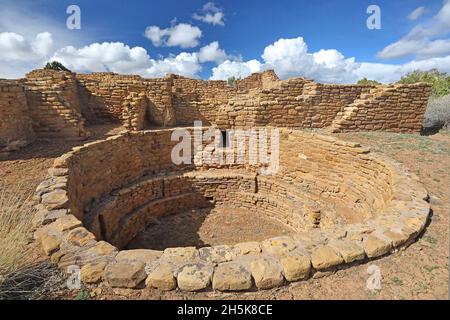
367,81
55,65
231,81
439,80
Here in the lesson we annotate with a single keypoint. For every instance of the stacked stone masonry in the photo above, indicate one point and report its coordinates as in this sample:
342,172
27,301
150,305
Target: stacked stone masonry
346,204
60,104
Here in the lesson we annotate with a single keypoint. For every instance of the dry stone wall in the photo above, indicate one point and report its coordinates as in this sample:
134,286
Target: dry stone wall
60,104
15,124
54,105
105,94
110,189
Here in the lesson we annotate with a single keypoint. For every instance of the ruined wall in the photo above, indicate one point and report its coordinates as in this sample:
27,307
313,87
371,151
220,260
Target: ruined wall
105,93
60,104
395,108
15,125
263,100
54,105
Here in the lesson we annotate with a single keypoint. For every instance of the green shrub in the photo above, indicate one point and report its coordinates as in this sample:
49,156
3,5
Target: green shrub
440,81
367,81
231,81
55,65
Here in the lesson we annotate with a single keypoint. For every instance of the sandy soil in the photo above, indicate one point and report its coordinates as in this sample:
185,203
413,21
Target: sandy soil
209,227
419,272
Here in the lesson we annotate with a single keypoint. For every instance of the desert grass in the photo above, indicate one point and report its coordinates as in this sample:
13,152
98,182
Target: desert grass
16,212
20,276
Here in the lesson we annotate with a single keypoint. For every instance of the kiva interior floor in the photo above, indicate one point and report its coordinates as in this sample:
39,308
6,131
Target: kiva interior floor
208,227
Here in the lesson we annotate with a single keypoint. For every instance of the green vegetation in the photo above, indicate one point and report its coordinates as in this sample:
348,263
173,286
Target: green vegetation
397,281
83,295
55,65
440,81
231,81
368,81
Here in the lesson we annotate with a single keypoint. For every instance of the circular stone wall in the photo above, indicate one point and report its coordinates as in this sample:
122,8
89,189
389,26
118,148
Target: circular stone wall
345,204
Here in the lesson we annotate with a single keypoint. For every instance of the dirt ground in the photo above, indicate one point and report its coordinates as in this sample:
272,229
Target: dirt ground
198,228
419,272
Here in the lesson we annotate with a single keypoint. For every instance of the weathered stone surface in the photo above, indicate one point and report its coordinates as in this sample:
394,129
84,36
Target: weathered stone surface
65,223
102,248
267,273
162,278
178,257
125,275
138,255
53,215
50,243
348,250
375,246
92,272
79,236
279,245
397,237
246,248
295,267
325,257
217,254
195,277
56,199
231,276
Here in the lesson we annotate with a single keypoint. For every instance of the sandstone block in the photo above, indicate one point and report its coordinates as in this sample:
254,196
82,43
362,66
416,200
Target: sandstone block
246,248
325,257
295,267
350,251
278,246
125,275
162,278
56,199
217,254
267,273
375,246
195,277
92,272
138,255
231,276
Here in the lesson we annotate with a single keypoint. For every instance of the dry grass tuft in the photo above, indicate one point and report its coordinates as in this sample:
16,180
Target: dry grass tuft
16,212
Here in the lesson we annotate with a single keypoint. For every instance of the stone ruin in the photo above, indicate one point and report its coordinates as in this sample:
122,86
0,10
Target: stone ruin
55,104
346,204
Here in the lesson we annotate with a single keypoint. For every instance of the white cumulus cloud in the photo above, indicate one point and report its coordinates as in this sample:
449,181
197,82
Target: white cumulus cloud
211,14
423,41
181,35
290,58
15,47
237,69
212,52
120,58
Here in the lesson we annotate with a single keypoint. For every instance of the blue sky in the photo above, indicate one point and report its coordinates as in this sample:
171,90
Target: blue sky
324,40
